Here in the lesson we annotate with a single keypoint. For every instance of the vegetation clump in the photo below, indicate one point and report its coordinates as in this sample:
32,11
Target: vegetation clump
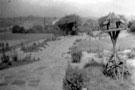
73,79
131,54
5,47
12,59
69,24
76,56
131,26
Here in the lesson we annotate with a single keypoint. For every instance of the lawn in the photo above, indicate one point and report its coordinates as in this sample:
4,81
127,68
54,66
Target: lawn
11,36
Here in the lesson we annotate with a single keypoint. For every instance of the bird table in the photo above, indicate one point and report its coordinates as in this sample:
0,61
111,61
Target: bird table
115,67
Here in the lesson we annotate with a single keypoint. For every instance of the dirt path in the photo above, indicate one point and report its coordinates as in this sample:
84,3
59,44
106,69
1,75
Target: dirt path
46,74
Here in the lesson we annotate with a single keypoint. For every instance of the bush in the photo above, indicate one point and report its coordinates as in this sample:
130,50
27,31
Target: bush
131,55
73,79
132,29
18,29
5,59
76,56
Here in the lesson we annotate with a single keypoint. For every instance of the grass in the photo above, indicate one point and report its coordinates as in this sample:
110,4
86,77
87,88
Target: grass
35,47
92,74
99,82
105,44
92,78
11,36
15,40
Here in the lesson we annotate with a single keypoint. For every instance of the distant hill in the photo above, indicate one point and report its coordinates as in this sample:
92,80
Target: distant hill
6,22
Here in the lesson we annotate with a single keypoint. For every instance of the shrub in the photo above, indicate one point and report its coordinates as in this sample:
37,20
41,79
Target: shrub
73,79
131,55
18,29
132,29
5,59
76,56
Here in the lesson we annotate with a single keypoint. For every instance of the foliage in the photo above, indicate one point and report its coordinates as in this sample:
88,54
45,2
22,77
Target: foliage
91,24
76,56
131,25
5,47
131,55
5,59
34,47
36,28
17,29
69,24
73,79
100,21
12,61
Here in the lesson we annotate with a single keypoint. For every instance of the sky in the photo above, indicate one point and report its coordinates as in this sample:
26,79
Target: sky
59,8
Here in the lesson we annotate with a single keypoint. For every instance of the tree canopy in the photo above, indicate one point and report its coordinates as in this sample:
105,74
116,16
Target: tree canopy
69,24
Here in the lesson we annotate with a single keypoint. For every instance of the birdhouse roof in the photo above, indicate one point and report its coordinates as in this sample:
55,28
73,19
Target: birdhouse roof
112,17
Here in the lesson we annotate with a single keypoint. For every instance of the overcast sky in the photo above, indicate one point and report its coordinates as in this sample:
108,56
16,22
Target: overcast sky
85,8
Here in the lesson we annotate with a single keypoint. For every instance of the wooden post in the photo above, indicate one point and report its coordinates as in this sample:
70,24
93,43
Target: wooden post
114,61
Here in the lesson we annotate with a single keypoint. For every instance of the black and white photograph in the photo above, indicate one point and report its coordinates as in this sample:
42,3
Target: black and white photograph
67,44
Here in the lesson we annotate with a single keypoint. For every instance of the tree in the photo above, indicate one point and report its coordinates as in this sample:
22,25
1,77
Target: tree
69,24
100,22
18,29
90,25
